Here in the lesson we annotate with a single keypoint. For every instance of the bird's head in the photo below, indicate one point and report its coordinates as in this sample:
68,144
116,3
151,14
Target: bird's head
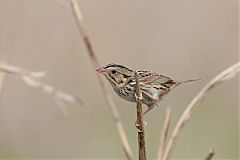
116,74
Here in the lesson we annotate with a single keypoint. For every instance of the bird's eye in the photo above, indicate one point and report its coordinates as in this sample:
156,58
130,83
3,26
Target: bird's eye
114,71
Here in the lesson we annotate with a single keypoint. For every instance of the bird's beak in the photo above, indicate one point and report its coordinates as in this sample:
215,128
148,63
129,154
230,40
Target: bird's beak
102,71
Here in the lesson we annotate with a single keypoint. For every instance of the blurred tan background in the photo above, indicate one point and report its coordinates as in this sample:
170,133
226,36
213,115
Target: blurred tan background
181,39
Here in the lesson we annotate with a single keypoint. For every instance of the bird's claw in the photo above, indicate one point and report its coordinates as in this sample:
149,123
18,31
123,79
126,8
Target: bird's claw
139,130
137,97
137,126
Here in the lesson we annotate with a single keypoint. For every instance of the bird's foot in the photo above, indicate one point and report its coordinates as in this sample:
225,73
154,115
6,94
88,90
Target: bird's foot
138,98
137,126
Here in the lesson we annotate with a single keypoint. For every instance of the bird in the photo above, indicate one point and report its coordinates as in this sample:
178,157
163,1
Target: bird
153,86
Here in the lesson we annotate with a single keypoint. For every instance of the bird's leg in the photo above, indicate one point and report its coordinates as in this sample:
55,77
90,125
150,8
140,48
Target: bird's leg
150,107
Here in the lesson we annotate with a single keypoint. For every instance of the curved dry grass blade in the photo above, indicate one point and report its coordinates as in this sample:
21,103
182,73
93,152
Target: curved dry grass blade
32,79
210,154
225,75
95,64
164,133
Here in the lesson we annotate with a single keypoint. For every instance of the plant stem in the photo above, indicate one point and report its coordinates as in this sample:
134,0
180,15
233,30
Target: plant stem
224,76
210,154
164,133
95,64
139,123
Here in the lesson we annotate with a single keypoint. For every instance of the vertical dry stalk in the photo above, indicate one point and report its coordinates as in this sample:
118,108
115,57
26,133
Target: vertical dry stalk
2,76
95,64
140,125
225,75
210,154
164,132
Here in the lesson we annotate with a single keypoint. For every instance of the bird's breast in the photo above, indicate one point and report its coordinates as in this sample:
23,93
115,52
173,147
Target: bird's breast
125,94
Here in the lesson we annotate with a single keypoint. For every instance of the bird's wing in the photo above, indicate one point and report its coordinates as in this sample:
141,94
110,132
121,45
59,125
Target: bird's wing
151,93
148,77
154,91
166,82
154,86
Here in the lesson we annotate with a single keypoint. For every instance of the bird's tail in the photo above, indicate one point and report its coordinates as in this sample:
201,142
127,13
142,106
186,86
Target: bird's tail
190,80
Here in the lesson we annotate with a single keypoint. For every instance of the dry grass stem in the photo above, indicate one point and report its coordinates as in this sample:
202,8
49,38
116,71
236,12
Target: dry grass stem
164,133
33,79
2,76
210,154
95,64
225,75
61,5
140,124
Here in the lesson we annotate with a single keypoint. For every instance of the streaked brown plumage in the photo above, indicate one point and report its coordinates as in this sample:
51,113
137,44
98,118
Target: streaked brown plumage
153,86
